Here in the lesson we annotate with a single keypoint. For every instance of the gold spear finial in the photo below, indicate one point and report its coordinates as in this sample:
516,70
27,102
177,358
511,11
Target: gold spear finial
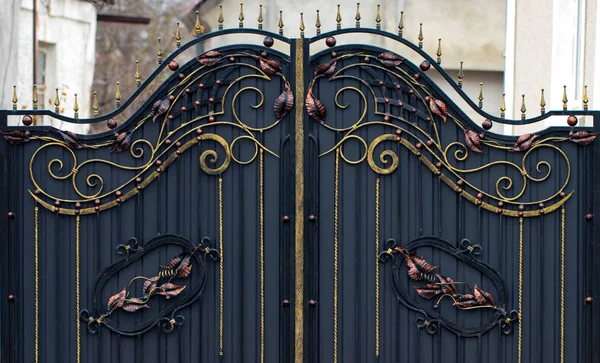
159,52
461,75
76,107
503,106
178,36
480,97
564,99
260,17
241,17
95,105
439,51
338,18
401,24
378,18
35,97
357,17
56,102
222,19
585,98
280,22
15,100
138,76
542,103
318,23
302,25
197,25
421,35
523,108
118,95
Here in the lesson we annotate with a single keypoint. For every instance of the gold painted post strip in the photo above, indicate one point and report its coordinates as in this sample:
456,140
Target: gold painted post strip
221,270
562,284
377,183
299,203
78,321
37,284
335,254
262,256
520,337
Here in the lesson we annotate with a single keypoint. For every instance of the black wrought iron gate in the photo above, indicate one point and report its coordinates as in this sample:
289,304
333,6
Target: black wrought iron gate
299,206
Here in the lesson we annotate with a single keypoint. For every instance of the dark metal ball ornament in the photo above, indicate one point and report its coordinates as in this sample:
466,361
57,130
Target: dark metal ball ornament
425,65
173,65
330,41
27,120
487,124
112,123
572,121
268,42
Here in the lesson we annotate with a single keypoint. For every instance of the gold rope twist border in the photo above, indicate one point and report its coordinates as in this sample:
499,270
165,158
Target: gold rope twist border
221,270
520,338
262,257
78,322
562,285
37,284
335,256
377,267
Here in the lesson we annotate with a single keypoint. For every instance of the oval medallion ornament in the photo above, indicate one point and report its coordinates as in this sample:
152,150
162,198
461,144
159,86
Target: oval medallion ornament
171,281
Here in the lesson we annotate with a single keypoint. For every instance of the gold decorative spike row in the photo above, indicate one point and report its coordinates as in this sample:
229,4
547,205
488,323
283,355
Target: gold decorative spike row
280,24
357,16
562,284
221,19
118,95
480,97
318,23
335,254
76,107
56,102
78,321
15,100
159,52
523,108
564,98
439,52
520,337
37,283
198,25
262,255
35,97
260,17
338,18
302,25
299,205
401,24
95,105
585,99
138,76
461,75
221,268
177,36
421,35
377,183
378,18
542,103
503,106
241,17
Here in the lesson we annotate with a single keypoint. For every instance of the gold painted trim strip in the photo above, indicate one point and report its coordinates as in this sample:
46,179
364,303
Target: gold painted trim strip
562,285
262,256
335,255
78,321
299,201
520,338
221,269
37,284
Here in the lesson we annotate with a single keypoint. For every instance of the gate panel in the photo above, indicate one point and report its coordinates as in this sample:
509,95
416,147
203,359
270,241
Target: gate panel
437,240
166,241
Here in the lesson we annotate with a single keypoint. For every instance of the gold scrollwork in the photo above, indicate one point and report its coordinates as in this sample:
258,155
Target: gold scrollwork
384,156
212,156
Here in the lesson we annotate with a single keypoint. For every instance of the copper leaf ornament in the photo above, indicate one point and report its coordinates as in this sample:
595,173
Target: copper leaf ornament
209,58
483,297
15,137
429,291
583,137
438,107
284,102
524,142
117,300
122,142
326,69
390,59
473,141
70,139
169,290
448,286
314,107
269,66
163,107
418,268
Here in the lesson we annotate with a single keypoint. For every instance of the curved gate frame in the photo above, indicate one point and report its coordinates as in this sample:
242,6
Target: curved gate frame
300,56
